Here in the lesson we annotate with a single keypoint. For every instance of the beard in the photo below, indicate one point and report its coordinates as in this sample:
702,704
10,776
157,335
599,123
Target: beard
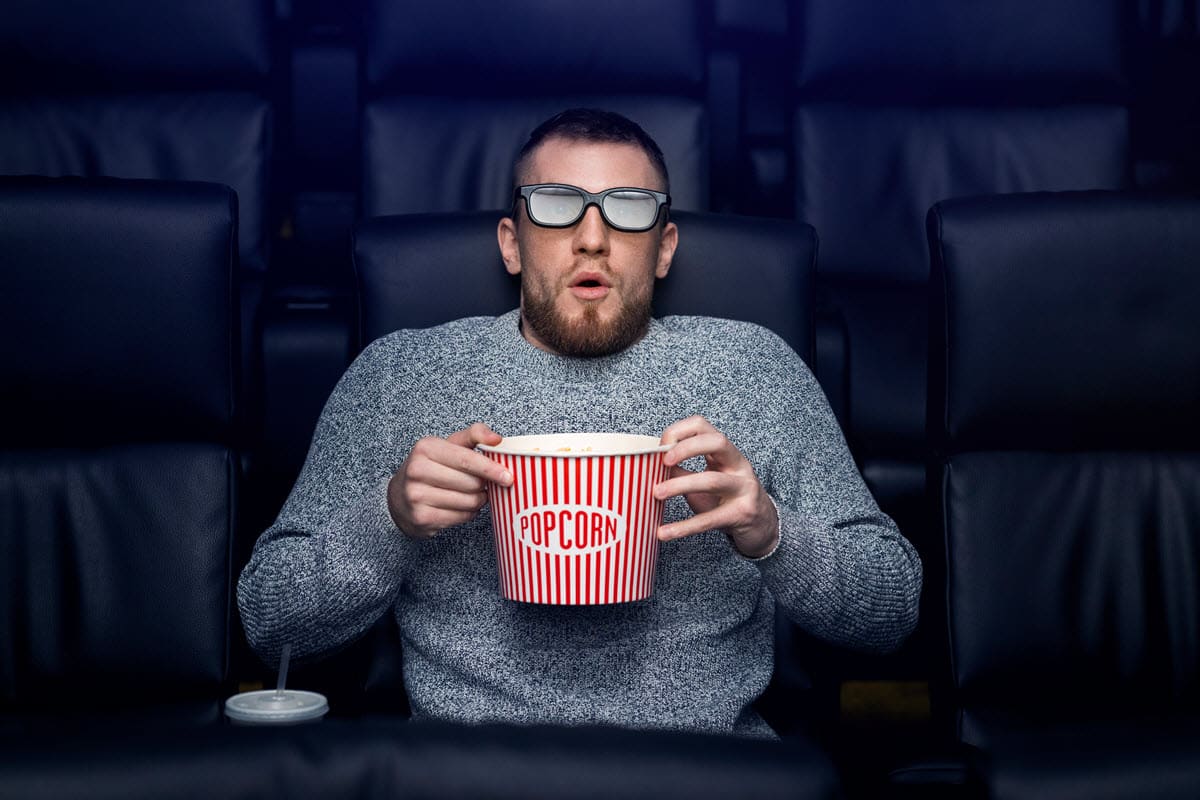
586,336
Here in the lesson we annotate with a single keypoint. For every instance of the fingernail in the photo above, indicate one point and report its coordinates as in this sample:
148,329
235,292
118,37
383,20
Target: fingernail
665,532
506,479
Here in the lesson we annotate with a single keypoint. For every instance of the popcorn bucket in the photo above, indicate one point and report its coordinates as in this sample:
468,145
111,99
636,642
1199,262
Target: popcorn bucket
579,525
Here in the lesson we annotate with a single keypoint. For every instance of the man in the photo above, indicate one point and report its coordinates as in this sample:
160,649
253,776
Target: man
764,504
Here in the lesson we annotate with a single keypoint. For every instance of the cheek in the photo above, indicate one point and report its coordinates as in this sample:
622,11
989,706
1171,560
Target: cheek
541,260
538,284
641,289
638,279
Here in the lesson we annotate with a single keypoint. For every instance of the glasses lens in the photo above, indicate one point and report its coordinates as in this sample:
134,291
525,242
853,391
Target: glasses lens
631,210
552,205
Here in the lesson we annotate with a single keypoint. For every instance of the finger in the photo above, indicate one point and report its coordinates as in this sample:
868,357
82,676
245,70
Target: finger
695,482
679,472
479,433
712,520
463,459
684,428
711,444
429,472
428,497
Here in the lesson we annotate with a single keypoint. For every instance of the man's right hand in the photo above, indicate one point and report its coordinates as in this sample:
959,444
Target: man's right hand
443,482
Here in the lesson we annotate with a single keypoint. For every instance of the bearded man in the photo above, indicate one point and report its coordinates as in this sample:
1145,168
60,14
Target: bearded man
389,514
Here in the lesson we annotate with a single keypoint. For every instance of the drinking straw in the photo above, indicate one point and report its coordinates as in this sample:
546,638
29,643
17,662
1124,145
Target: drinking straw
283,668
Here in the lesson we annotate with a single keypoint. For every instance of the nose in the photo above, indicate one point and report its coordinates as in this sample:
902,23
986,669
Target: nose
591,233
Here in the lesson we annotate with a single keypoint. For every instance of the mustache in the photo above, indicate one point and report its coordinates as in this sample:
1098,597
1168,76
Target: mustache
592,269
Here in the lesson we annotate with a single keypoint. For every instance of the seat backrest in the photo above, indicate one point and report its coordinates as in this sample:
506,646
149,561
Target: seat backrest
118,471
420,270
895,107
1064,396
142,89
448,105
902,106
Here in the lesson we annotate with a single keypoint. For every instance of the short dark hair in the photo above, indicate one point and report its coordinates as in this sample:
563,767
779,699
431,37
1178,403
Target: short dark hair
593,125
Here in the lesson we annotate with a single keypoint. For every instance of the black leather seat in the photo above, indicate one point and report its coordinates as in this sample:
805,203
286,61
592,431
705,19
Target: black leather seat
448,105
1065,389
138,89
158,91
447,96
118,465
426,269
422,270
894,109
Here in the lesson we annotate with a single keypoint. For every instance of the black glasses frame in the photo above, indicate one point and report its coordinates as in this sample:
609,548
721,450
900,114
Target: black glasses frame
590,199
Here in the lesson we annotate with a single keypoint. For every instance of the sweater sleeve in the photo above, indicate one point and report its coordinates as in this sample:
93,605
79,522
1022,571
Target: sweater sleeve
842,570
330,565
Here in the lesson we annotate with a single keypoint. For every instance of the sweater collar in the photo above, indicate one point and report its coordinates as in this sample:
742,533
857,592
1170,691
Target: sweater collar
518,352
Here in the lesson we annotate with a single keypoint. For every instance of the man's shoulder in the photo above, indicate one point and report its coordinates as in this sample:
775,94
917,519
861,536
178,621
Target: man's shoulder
434,350
449,338
721,335
739,350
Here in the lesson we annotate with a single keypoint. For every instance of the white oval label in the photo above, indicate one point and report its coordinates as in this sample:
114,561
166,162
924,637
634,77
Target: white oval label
569,530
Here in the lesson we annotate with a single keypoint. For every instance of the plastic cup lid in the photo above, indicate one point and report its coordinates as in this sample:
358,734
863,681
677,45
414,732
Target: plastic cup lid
276,707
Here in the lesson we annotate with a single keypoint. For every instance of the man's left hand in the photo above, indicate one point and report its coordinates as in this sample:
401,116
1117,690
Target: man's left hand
725,496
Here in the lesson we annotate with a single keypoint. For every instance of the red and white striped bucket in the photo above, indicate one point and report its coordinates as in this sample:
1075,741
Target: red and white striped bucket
579,524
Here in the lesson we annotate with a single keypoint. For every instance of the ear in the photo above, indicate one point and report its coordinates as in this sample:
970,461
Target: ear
510,249
666,249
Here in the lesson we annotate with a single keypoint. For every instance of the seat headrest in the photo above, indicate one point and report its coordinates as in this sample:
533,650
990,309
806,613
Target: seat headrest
132,43
1070,50
420,270
149,135
866,176
439,154
625,45
118,312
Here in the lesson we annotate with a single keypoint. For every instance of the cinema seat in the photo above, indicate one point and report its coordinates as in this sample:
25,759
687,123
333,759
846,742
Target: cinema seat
143,89
119,469
897,106
1064,397
425,269
447,105
172,91
419,270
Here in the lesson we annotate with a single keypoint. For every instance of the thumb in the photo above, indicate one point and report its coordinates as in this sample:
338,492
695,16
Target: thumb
479,433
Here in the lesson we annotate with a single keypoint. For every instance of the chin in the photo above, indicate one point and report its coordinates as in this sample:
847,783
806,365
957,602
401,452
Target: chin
574,327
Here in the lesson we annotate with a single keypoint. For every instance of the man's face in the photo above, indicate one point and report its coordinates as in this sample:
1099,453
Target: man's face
586,290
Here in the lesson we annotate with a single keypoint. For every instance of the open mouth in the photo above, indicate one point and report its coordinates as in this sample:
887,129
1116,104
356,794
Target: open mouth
590,280
590,286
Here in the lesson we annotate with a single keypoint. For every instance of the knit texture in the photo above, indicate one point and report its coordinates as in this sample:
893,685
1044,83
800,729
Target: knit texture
698,652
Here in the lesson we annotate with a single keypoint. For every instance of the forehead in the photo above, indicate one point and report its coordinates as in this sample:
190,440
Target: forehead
591,165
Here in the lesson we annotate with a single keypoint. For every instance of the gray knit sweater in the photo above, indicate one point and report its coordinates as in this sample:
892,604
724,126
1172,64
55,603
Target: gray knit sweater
697,653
